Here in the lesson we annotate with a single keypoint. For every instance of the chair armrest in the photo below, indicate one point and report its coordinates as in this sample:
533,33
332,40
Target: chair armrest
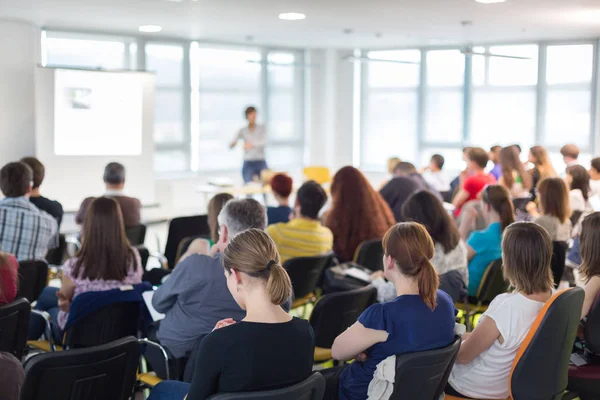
162,350
164,263
74,241
46,317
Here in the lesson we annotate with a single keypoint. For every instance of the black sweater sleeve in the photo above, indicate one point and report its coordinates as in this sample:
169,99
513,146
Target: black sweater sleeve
205,382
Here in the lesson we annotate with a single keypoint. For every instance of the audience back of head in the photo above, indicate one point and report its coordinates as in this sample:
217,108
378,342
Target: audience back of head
497,198
391,164
114,174
437,162
215,205
240,215
39,172
511,166
579,179
282,185
538,156
405,168
477,158
590,248
15,179
570,153
311,198
554,198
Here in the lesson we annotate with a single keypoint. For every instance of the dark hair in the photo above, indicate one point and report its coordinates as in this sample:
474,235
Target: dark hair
15,178
590,251
405,168
526,257
105,252
4,260
516,147
411,247
495,148
282,185
38,170
554,198
215,205
570,150
438,160
311,198
425,208
114,173
249,110
596,164
580,180
479,156
498,198
509,161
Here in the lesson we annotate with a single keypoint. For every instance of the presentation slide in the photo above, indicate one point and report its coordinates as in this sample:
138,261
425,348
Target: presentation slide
97,114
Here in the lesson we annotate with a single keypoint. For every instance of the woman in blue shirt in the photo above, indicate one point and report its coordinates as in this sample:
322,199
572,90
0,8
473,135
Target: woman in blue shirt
420,318
484,246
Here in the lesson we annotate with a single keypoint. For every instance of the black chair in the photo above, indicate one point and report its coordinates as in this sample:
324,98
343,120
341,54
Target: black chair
144,255
312,388
33,278
14,323
334,313
423,375
575,217
369,254
96,373
305,274
184,245
559,258
136,234
57,256
181,228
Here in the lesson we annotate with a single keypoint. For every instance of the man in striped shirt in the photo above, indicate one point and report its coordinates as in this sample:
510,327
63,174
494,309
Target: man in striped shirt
303,236
25,231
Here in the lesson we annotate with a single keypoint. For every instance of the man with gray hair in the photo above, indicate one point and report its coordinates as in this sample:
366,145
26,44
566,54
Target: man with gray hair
114,179
195,296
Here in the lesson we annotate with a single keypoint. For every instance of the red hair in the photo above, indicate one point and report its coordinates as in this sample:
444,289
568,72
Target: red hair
281,184
358,212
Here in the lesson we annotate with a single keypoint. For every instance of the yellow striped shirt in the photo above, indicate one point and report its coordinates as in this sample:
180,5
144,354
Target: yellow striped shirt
301,238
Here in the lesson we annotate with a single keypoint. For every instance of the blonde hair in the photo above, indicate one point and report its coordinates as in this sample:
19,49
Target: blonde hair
392,163
542,162
254,253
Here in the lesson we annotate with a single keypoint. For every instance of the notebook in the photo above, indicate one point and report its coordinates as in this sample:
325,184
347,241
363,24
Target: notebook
156,316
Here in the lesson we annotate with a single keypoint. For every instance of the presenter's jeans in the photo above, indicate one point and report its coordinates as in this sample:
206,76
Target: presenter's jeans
252,168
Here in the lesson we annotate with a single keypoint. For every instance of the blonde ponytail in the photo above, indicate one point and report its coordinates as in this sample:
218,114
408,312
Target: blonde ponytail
279,285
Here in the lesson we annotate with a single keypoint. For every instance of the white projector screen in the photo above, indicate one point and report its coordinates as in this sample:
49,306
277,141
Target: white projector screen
97,114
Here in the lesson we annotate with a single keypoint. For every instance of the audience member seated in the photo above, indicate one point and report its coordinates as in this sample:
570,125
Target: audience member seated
52,207
281,185
195,296
486,355
9,267
303,236
399,189
106,261
12,376
450,255
542,167
595,176
554,212
392,162
494,155
590,260
475,180
267,349
455,185
483,247
514,177
420,317
25,231
578,180
434,175
357,213
570,153
114,179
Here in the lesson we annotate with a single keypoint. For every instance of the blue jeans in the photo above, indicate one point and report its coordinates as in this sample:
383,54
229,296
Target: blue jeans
46,302
252,168
169,390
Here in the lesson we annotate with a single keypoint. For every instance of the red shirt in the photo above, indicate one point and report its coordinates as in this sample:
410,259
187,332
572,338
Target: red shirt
8,279
475,184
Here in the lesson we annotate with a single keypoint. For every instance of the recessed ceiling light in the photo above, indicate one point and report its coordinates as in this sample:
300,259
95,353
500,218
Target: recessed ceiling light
292,16
490,1
150,28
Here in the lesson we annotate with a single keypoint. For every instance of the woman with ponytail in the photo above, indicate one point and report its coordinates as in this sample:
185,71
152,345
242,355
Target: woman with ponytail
268,349
484,246
420,318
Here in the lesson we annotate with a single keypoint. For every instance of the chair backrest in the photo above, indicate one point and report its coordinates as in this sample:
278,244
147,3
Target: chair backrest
184,245
592,328
144,254
423,375
318,174
311,388
33,278
56,256
369,254
96,373
305,273
14,322
179,229
575,216
541,368
136,234
335,312
559,258
493,283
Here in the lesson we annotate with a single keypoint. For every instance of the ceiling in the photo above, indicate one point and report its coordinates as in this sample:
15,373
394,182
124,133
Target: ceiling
399,23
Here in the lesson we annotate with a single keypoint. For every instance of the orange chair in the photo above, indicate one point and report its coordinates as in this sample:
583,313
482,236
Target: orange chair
541,368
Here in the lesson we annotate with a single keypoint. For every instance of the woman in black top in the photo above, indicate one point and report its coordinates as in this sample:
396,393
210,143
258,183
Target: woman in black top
268,349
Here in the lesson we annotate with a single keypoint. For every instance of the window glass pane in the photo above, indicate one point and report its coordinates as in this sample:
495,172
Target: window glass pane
514,72
444,119
215,155
168,117
478,67
568,117
390,128
503,117
281,70
445,68
170,161
284,156
167,62
281,115
452,157
570,64
389,74
228,69
85,53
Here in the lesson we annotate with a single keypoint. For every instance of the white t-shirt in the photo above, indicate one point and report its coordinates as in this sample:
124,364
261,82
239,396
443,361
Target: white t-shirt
437,180
256,137
486,377
595,186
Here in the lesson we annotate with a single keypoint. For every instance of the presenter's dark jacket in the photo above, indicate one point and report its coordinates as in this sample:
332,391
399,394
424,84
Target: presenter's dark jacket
130,207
